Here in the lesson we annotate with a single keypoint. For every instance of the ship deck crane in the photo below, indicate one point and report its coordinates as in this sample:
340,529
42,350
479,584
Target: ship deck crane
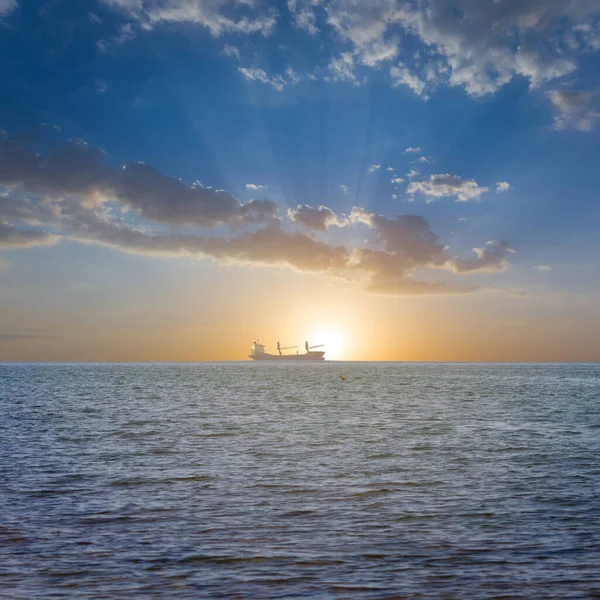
279,348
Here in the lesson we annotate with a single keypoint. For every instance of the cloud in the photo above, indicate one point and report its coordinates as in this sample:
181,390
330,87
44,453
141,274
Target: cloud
344,188
396,180
445,185
543,268
341,68
11,237
478,45
363,24
408,237
75,170
70,193
412,150
408,243
374,168
277,82
477,39
574,108
254,187
303,14
124,34
267,246
229,50
218,16
502,186
318,219
491,259
379,51
401,75
7,6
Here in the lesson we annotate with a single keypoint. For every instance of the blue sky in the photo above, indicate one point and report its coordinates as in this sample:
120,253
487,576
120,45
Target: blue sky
321,122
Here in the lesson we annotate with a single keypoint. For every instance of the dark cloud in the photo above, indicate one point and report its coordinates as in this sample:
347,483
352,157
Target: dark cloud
73,169
491,259
318,219
268,246
77,197
169,200
408,238
11,237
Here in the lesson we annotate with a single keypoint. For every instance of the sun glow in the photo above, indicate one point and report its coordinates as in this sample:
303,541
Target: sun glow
333,340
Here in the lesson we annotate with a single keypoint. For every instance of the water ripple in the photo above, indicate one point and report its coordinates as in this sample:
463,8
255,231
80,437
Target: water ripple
283,481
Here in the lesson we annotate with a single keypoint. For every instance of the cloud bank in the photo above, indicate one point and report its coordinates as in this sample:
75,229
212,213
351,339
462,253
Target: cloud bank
71,193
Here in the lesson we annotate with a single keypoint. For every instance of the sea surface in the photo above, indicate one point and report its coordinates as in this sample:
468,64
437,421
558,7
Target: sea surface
246,480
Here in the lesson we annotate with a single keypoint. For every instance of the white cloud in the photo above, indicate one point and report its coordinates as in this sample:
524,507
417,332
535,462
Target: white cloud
379,51
401,75
544,268
218,16
254,187
412,150
277,82
394,196
479,47
412,173
446,185
390,169
574,108
303,14
502,186
374,168
341,68
396,180
234,51
344,188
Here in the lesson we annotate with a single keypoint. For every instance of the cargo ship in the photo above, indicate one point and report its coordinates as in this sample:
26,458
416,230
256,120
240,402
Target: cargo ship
258,353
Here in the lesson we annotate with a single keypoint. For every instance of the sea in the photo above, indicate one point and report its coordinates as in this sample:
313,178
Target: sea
327,480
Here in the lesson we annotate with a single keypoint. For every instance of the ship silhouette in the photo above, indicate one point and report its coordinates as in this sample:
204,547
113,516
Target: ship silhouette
258,353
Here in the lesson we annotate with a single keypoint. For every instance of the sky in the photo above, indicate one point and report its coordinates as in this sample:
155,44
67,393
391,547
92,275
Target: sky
395,179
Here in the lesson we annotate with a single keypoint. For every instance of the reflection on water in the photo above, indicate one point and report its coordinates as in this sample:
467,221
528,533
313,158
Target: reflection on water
279,481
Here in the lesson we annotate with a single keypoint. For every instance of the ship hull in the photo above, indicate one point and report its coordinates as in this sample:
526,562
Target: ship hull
311,357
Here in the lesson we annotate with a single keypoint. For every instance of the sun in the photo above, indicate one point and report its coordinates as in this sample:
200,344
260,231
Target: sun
333,341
